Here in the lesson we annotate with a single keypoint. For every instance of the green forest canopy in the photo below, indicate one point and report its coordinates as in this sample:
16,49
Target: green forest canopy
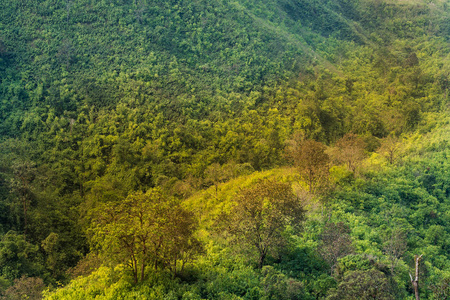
101,100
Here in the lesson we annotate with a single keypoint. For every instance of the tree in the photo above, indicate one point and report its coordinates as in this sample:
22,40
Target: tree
29,288
24,173
389,148
361,285
336,243
311,161
412,115
349,150
278,286
261,214
441,290
145,229
395,246
415,279
444,82
54,255
18,257
216,174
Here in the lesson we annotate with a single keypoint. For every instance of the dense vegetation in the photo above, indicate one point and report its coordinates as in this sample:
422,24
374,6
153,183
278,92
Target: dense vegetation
216,149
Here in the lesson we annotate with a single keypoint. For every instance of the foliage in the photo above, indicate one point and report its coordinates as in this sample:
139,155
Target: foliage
262,213
25,288
395,246
312,162
276,285
102,101
336,243
376,231
349,150
18,257
389,148
143,230
371,284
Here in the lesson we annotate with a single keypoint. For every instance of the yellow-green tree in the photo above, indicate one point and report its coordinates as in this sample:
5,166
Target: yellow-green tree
145,230
389,148
261,214
311,160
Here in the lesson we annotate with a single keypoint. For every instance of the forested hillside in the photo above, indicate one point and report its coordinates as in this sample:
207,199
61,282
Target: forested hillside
217,149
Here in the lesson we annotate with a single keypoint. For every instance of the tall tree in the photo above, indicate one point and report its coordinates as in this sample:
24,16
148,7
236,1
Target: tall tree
389,148
349,150
395,246
24,173
311,160
216,174
145,229
336,243
261,214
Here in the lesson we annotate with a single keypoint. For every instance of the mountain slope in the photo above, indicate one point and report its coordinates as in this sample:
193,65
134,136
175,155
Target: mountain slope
102,99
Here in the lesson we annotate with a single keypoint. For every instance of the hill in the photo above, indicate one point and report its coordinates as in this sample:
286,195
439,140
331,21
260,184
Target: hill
370,227
104,100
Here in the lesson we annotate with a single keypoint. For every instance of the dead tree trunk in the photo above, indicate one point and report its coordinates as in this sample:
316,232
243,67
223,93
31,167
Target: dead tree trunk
415,280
